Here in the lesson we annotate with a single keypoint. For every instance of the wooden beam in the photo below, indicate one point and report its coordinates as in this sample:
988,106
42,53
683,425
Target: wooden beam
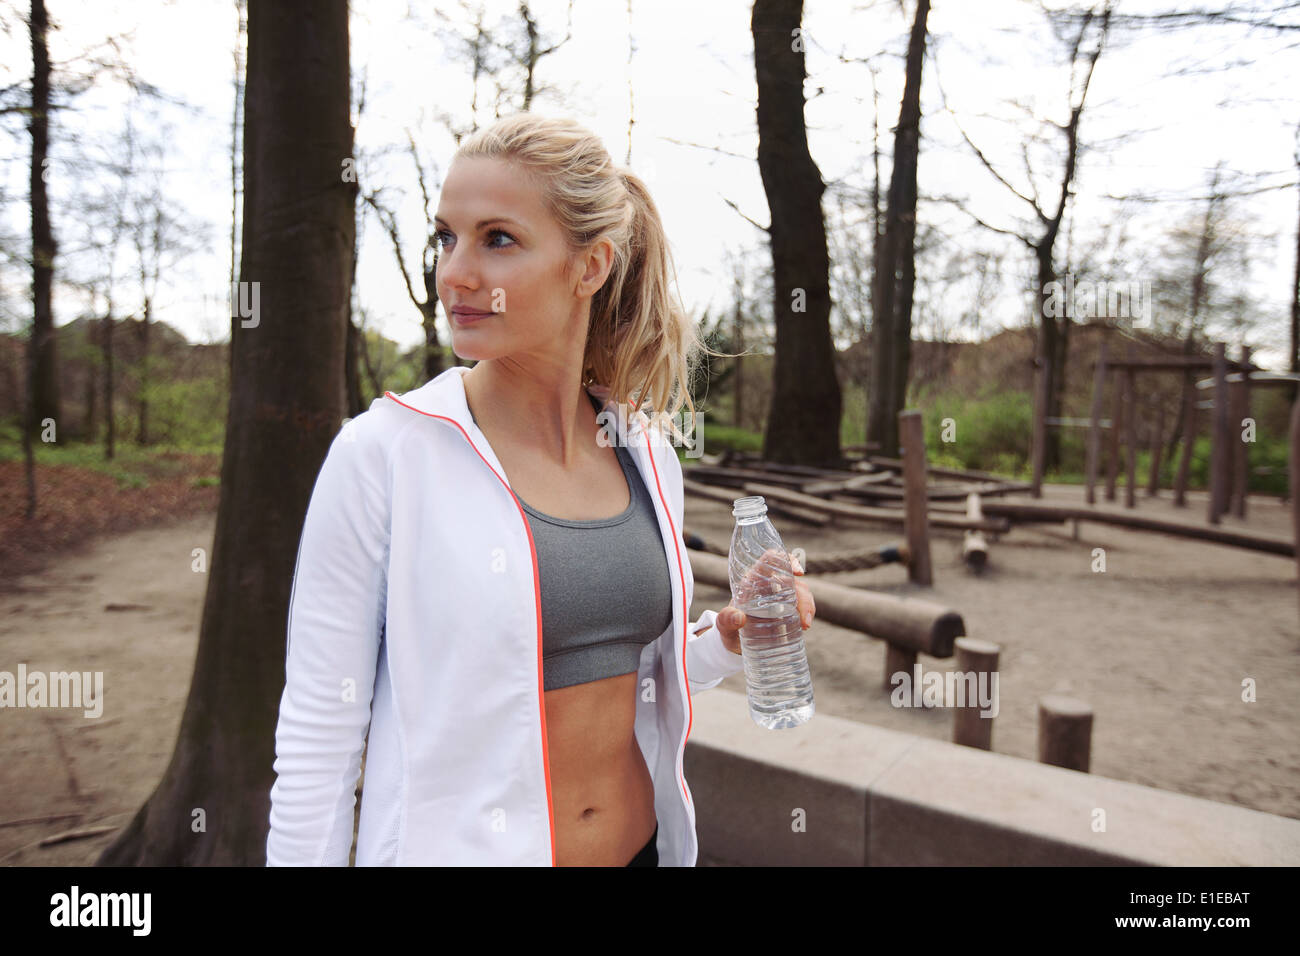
863,513
728,497
916,527
1040,511
896,464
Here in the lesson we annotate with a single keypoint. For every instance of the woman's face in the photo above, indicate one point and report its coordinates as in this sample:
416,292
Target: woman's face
502,253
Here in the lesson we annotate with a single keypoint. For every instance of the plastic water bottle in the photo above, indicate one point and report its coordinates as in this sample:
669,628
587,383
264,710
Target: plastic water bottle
762,585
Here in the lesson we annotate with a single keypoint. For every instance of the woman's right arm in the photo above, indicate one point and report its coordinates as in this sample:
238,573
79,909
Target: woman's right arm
336,612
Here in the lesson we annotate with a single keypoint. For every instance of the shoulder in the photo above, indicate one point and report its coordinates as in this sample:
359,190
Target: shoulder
365,444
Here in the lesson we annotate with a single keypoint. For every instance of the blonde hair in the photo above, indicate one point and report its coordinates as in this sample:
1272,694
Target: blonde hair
640,342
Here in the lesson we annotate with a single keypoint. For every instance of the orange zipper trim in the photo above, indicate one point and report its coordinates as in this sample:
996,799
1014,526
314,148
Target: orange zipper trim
537,597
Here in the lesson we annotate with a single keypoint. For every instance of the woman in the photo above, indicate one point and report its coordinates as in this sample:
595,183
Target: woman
487,583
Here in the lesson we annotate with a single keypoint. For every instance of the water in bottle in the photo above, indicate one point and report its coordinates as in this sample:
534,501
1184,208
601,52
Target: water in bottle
762,585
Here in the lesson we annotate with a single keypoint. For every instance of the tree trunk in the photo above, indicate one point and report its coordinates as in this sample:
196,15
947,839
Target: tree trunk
895,274
1294,364
106,346
44,379
92,385
1050,354
143,437
1199,278
803,421
286,403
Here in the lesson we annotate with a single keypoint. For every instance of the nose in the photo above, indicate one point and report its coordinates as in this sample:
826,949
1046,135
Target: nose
456,271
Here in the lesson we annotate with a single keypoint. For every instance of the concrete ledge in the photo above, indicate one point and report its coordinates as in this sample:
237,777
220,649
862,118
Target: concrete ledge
876,797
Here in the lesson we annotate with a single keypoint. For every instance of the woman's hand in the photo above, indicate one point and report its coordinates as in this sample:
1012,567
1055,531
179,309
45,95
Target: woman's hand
732,619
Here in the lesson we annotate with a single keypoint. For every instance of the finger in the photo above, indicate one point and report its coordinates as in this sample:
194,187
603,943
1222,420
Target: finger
731,619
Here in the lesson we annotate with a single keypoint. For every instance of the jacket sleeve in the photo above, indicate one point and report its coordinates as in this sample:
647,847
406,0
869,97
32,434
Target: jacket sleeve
336,612
708,662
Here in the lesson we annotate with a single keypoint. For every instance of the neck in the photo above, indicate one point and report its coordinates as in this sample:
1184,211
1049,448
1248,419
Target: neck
545,410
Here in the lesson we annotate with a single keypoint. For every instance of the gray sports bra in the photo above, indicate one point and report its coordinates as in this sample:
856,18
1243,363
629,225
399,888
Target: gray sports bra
605,588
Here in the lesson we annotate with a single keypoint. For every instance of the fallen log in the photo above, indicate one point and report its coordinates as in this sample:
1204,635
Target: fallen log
732,477
946,493
1216,534
818,518
829,485
896,464
863,513
893,553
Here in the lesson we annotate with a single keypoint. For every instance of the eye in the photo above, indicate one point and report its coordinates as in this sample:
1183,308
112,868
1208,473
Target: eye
442,236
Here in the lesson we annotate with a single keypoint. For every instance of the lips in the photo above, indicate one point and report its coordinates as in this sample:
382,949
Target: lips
464,314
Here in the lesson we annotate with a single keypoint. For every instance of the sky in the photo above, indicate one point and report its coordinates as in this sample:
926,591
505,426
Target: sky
994,71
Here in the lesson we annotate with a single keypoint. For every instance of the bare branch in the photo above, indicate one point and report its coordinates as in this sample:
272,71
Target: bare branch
765,229
943,97
389,222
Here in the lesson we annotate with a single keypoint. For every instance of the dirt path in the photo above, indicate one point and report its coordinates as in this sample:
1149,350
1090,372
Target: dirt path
1159,644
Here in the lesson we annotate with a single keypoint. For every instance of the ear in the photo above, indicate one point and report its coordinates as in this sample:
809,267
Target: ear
596,265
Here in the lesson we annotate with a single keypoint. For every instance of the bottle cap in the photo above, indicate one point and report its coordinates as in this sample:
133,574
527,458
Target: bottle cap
749,507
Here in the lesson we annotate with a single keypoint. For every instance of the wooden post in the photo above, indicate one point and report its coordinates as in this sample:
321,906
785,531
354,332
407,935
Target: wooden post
916,528
898,659
1219,437
1240,448
977,667
1130,432
1116,423
1157,446
1039,449
1064,732
1094,427
974,550
1189,444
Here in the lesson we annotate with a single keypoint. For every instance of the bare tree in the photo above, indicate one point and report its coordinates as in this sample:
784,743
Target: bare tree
895,272
803,421
426,304
286,403
533,50
1294,363
162,234
1085,35
44,384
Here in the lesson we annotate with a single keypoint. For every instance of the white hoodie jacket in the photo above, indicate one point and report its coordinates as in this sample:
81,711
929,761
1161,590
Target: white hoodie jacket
415,612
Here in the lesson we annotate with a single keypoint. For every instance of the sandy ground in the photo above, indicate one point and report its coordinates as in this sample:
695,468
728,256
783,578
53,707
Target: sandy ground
1158,644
